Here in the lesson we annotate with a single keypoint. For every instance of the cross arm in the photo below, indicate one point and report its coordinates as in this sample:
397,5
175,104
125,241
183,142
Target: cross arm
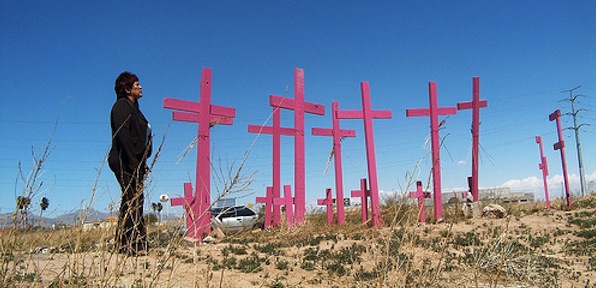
195,107
289,103
283,201
553,116
182,105
470,104
194,117
358,114
544,166
329,132
269,130
420,194
426,111
263,199
323,201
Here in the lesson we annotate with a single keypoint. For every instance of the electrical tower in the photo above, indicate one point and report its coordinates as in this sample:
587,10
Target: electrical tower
576,127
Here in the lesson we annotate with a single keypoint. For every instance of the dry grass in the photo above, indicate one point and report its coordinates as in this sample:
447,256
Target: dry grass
530,248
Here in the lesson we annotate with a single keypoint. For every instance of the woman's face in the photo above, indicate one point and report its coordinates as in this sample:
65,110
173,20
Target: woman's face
137,91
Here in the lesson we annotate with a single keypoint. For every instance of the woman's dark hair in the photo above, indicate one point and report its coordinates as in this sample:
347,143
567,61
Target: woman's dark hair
124,82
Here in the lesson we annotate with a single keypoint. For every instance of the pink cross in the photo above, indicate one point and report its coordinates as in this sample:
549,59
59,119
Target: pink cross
544,167
300,107
268,201
363,193
206,115
434,111
276,131
556,116
420,195
475,105
367,114
288,202
328,201
188,202
337,134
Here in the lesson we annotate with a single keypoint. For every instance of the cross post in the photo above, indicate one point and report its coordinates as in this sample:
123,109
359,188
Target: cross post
363,193
433,112
276,131
300,107
475,105
206,115
268,201
328,202
367,114
420,195
544,167
337,135
556,116
288,202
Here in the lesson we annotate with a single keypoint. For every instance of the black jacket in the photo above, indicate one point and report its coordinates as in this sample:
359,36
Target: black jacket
131,137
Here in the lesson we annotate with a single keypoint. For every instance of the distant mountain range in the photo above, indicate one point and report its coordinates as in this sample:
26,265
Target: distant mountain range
33,219
6,220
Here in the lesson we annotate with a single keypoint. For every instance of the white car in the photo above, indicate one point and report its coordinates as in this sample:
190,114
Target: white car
234,219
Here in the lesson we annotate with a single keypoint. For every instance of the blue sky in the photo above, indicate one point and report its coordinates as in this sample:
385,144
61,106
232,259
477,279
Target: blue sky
59,61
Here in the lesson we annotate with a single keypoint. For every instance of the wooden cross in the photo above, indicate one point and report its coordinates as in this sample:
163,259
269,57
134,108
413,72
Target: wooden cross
276,131
337,134
288,202
544,167
363,193
475,105
206,115
300,107
268,201
556,116
420,195
433,112
367,114
328,201
188,203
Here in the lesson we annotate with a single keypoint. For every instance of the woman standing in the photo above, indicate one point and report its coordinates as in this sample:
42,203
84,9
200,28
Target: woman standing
131,146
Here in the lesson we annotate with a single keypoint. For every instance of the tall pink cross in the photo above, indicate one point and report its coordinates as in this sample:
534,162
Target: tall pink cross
434,111
364,194
206,115
337,134
544,167
276,131
475,105
268,202
367,114
328,202
300,107
556,116
420,195
288,201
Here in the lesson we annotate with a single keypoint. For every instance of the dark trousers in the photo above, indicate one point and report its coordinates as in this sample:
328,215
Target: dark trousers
131,235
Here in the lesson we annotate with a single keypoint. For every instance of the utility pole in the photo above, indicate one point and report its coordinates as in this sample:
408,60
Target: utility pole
574,112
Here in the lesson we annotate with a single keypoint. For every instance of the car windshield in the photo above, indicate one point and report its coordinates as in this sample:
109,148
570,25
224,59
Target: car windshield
245,212
226,212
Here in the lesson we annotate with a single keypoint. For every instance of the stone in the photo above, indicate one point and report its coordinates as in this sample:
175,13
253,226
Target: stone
494,211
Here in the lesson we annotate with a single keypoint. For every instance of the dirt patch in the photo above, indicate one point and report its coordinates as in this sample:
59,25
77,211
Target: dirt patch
526,249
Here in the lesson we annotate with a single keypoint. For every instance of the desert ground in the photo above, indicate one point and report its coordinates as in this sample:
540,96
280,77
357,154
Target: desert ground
529,247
